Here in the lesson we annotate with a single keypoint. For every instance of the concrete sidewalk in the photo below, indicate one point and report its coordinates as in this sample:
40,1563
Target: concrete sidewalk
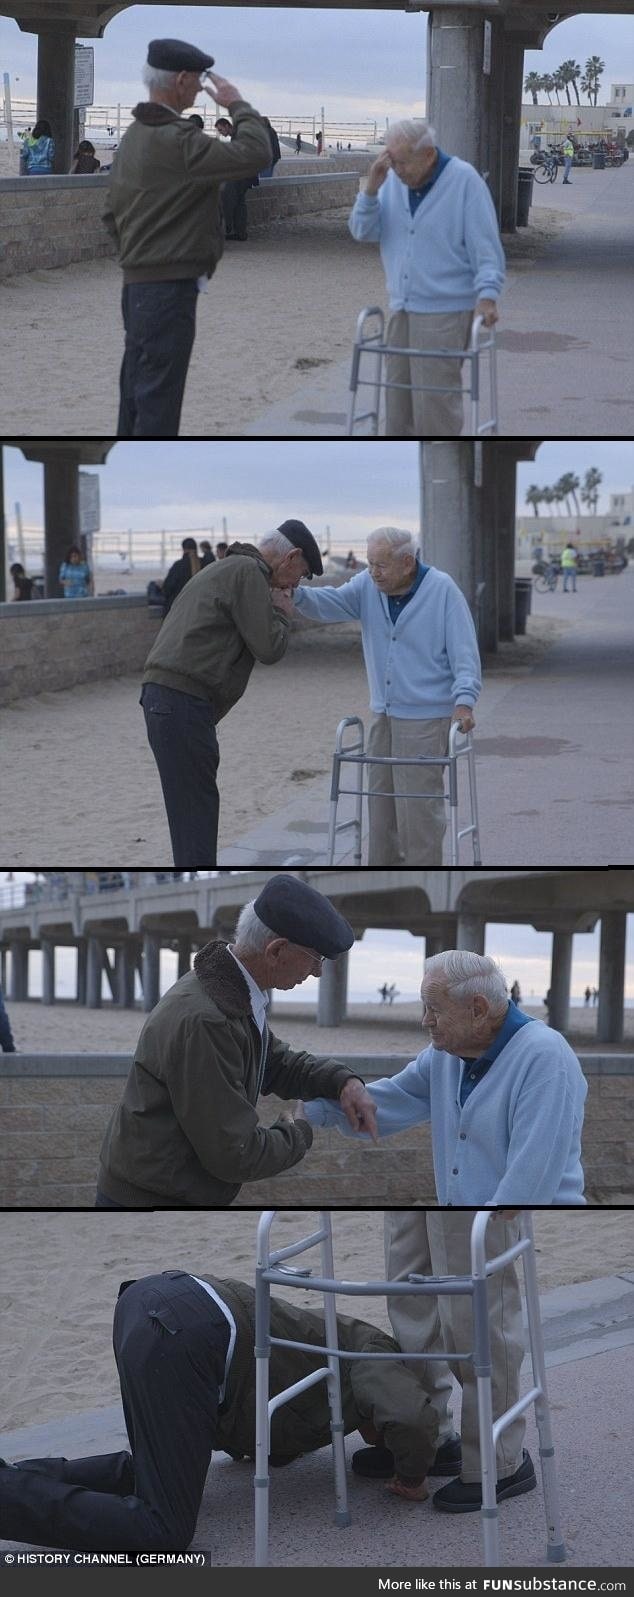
555,767
565,363
592,1320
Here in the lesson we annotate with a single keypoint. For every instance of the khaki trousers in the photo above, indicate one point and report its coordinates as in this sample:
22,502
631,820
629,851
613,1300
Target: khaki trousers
406,831
417,415
436,1242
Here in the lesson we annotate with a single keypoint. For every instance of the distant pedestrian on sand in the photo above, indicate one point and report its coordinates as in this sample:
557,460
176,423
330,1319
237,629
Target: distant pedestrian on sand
595,995
22,585
298,144
515,993
384,990
587,996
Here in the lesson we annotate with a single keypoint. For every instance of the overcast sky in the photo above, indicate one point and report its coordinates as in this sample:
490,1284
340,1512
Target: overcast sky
352,486
358,64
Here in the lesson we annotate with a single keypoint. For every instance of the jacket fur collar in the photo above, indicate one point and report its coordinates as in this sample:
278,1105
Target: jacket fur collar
222,980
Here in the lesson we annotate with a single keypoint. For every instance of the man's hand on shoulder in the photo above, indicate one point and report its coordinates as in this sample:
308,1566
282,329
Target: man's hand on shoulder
358,1107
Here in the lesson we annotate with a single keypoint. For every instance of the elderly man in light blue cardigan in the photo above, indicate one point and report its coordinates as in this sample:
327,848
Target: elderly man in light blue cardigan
423,665
434,219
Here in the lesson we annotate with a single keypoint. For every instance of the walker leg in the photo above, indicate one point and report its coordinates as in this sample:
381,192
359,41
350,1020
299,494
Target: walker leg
342,1516
473,801
555,1545
453,810
262,1422
482,1367
358,817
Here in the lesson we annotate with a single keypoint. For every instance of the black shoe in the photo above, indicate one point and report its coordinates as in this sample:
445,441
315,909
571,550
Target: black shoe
377,1463
465,1497
448,1460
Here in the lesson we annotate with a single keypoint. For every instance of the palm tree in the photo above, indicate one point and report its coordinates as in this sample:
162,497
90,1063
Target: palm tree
570,71
566,77
558,495
590,490
548,84
548,496
534,496
594,67
568,485
533,84
558,83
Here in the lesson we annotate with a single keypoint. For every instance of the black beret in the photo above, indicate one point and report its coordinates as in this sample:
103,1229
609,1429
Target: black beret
294,910
298,534
173,55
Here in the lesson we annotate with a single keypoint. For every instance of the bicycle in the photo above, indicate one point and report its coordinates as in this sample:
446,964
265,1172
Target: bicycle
547,579
546,167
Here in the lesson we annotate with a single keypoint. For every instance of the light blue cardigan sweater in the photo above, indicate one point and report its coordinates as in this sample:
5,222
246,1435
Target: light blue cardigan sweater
446,256
419,666
517,1139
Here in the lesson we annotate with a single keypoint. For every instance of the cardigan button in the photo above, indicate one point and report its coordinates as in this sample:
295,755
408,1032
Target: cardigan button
463,1136
455,1170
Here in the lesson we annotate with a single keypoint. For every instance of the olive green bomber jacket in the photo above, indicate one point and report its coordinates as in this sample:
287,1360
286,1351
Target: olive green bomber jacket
186,1131
220,624
162,207
389,1394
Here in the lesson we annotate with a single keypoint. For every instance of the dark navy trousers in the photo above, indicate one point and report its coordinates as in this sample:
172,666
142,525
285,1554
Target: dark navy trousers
160,327
170,1344
182,736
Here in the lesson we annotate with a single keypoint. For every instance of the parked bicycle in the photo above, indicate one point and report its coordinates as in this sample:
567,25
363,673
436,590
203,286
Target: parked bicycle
546,166
546,576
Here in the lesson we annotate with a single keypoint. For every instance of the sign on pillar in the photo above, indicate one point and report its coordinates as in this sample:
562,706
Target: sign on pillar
486,54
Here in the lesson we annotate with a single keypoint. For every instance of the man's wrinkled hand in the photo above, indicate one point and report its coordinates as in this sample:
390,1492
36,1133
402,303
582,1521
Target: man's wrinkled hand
464,714
287,1117
359,1108
377,173
221,91
413,1494
487,309
283,601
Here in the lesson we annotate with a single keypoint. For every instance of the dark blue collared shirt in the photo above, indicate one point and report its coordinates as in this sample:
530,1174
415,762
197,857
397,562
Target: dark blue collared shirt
416,195
475,1069
400,600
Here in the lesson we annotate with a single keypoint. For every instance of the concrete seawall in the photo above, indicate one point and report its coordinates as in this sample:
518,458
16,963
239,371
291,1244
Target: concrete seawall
52,221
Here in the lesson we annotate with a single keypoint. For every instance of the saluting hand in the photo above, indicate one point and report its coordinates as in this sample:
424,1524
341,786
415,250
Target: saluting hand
223,92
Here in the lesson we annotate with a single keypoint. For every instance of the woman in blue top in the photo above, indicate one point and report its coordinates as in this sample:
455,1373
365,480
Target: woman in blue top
38,151
74,575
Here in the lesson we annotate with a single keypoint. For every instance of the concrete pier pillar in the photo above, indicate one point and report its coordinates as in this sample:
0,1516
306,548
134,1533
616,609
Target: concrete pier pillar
48,971
61,517
442,937
19,971
451,502
82,962
610,1022
511,127
560,980
56,90
94,971
333,991
471,934
455,44
151,969
111,971
506,483
184,955
127,974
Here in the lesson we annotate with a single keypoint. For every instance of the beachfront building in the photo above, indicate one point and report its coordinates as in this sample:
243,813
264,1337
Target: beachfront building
119,924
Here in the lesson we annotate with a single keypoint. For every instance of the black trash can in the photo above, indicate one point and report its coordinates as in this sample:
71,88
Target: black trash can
523,600
525,178
598,160
598,567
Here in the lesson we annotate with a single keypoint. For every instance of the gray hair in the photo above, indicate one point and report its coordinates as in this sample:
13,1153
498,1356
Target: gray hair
417,133
400,541
157,78
466,974
251,933
277,543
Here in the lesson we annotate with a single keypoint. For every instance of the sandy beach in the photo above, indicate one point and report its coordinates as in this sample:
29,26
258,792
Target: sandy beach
83,753
61,1274
66,1028
278,309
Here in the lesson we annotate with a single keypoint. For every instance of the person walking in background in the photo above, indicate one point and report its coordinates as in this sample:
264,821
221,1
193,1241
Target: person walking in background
7,1043
221,550
434,220
595,995
423,664
180,573
207,556
84,160
37,154
569,560
587,996
298,143
74,574
568,152
276,153
163,213
515,993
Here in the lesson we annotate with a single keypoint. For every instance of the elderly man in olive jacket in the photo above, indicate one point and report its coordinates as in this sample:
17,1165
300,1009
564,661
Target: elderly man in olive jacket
184,1348
186,1132
229,615
163,212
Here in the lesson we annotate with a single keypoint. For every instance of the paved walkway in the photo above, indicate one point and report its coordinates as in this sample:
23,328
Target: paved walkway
565,342
554,752
589,1321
